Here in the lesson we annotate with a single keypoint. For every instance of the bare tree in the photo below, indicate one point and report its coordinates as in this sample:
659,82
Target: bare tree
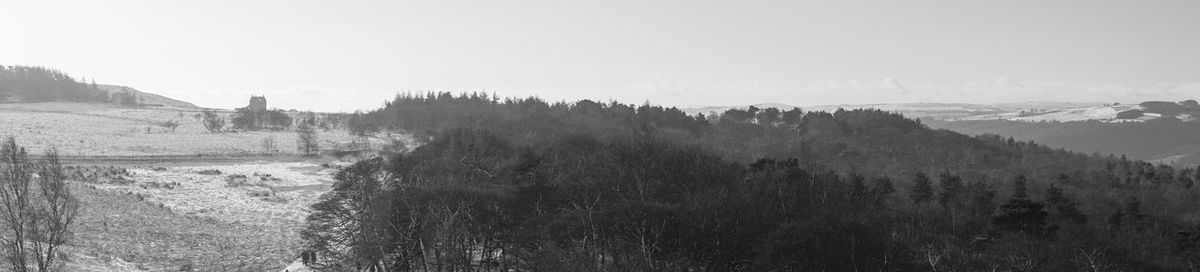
213,122
37,212
340,226
307,143
58,211
15,178
269,146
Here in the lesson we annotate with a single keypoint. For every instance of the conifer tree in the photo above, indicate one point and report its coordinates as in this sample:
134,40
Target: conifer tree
922,188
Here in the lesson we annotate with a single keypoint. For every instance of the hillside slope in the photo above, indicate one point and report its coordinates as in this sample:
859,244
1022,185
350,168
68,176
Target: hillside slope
1154,130
32,84
148,98
1171,142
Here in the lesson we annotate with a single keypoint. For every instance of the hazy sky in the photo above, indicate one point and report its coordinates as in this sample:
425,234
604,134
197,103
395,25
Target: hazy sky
345,55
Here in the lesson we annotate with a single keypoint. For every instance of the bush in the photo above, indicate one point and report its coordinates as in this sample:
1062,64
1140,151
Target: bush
213,122
172,125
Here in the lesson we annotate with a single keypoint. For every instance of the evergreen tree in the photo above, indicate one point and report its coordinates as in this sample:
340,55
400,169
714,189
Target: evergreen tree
922,188
1020,215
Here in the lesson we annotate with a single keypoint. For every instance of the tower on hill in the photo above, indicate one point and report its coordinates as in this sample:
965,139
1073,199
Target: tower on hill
257,104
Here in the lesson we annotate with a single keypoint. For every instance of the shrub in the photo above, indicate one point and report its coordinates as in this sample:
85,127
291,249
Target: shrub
213,122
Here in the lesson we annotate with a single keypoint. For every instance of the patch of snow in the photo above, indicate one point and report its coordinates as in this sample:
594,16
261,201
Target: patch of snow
297,267
1105,113
269,194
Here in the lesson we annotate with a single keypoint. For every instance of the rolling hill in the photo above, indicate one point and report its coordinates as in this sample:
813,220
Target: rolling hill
148,98
1155,131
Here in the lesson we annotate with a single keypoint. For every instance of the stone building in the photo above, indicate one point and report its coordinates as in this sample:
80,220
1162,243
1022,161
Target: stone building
257,104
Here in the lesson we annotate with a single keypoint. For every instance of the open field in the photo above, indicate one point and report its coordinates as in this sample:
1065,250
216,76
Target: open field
157,199
103,130
231,217
119,232
262,193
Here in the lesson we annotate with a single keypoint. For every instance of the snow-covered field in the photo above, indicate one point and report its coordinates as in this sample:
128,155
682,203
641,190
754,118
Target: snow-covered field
1104,113
257,193
248,211
1029,111
266,198
102,130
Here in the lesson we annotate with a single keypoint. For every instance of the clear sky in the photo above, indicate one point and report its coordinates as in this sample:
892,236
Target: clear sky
346,55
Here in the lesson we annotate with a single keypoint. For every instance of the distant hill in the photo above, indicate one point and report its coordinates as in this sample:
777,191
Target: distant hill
147,98
1109,113
40,84
1162,132
1168,141
928,110
1157,131
32,84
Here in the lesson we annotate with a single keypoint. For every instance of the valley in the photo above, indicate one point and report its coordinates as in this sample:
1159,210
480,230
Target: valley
597,136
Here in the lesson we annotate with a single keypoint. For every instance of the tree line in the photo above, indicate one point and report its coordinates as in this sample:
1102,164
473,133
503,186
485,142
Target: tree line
40,84
246,119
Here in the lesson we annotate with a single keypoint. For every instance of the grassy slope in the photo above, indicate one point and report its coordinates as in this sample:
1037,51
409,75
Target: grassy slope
148,98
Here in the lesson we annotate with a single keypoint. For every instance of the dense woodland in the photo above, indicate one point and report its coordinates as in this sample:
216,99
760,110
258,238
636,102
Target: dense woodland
39,84
526,184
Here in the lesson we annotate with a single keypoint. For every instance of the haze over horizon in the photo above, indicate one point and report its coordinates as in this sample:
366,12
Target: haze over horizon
355,55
